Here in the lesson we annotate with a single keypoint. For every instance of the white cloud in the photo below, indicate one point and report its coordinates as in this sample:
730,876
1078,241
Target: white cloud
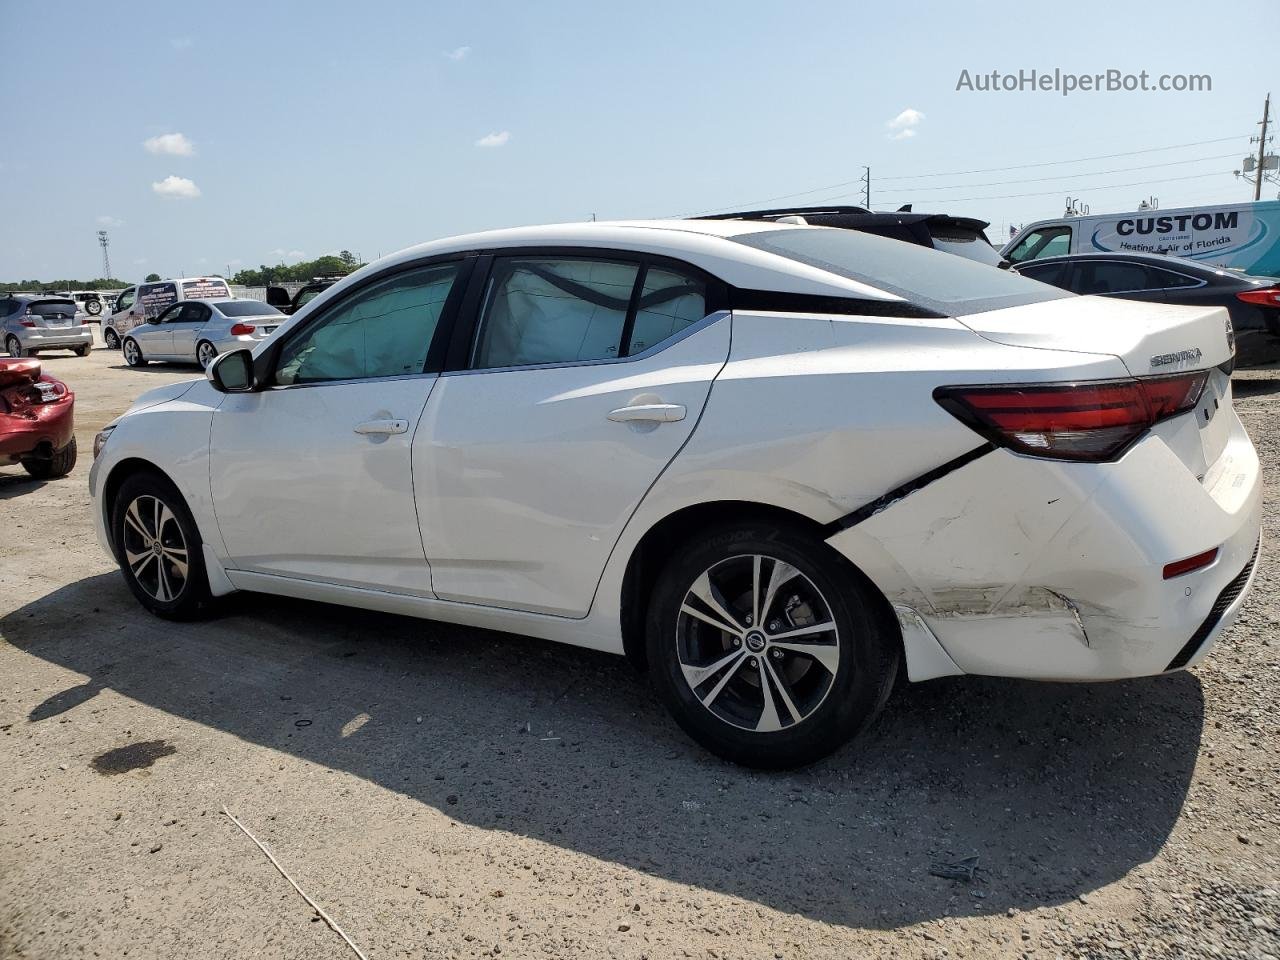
280,253
140,261
106,221
494,139
170,144
457,53
176,188
904,124
181,43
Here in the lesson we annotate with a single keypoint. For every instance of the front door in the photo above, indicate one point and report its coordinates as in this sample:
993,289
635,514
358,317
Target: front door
311,477
584,378
185,326
155,336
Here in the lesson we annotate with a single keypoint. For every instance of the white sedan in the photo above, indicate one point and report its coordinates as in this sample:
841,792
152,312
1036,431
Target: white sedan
196,331
774,463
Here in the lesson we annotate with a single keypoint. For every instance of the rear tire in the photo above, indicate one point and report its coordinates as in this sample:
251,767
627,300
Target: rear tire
111,339
158,547
83,351
13,346
59,465
734,688
206,353
133,353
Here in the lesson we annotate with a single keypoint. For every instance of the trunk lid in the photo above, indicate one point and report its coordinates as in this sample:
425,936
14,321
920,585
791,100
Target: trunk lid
1151,339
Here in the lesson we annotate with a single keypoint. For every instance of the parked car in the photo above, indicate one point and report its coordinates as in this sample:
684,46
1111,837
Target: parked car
1253,303
772,462
196,331
279,297
137,305
37,427
964,236
1236,236
29,325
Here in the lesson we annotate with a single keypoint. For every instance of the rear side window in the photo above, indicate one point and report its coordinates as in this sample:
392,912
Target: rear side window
553,311
669,304
937,281
1167,279
1111,276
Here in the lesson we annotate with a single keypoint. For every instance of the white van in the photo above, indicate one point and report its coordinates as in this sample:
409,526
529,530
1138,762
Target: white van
145,301
1235,236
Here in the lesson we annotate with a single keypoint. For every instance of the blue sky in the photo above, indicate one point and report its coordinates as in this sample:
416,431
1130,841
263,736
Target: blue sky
320,126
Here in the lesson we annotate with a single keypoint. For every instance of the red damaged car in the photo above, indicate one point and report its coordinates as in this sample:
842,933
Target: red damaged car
36,426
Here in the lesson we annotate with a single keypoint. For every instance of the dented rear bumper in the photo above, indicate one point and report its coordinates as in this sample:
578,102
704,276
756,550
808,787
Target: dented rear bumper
1023,567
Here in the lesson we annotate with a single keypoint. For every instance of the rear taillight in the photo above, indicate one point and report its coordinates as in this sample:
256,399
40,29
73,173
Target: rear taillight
1266,297
242,329
1093,420
26,323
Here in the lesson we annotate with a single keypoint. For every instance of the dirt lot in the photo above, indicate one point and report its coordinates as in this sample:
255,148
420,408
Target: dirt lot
447,792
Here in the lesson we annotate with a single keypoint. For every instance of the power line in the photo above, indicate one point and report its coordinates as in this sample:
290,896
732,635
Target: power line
747,204
1050,193
1060,176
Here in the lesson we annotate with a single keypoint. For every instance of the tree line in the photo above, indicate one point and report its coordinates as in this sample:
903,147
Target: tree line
330,265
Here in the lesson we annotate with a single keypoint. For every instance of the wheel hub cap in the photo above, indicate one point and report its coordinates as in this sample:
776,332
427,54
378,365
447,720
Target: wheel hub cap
155,548
761,680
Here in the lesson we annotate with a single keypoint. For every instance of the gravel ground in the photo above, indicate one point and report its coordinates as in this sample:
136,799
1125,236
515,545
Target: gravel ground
447,792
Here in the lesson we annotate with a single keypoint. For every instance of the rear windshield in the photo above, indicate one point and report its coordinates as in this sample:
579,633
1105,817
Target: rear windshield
943,282
53,308
245,308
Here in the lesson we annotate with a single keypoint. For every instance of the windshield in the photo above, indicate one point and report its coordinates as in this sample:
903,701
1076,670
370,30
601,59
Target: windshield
928,278
975,248
246,308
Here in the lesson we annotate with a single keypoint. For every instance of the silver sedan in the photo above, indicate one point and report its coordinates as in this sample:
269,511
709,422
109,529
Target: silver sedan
196,331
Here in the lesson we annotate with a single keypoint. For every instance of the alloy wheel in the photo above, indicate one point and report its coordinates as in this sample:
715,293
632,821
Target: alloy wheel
131,353
757,643
14,347
111,340
155,548
205,353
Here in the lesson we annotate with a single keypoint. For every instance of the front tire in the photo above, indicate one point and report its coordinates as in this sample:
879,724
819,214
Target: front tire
133,353
111,339
59,465
766,647
159,548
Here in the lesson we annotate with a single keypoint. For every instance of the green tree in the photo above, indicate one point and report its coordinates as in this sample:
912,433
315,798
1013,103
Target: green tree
151,278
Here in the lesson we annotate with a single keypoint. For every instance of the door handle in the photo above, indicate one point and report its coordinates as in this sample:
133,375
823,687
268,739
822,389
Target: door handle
649,412
382,427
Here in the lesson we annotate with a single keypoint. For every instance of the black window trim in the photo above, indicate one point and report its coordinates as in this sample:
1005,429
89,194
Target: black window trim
458,360
265,364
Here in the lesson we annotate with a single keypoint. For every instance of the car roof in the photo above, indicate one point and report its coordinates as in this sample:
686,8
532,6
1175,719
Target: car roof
703,243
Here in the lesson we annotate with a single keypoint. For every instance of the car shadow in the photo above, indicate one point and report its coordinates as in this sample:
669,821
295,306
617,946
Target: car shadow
1056,789
159,366
1254,386
18,483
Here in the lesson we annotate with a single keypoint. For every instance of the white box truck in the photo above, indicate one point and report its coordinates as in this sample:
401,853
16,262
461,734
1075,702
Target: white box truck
1235,236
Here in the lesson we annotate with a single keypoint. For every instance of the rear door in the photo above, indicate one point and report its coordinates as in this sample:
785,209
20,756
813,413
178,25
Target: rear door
581,380
190,320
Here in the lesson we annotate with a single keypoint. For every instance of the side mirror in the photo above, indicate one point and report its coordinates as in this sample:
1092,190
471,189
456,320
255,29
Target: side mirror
277,297
153,319
232,372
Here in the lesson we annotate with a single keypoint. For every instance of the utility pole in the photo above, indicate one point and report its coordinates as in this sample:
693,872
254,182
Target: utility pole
1262,149
866,188
103,241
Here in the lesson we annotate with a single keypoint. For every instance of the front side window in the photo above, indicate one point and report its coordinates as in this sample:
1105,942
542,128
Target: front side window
125,300
553,310
1045,242
384,330
171,315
